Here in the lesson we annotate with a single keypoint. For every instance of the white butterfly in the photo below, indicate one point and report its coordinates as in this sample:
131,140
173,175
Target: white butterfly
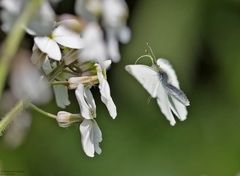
161,83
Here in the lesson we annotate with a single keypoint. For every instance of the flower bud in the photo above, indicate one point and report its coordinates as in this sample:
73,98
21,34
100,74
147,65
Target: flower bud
64,119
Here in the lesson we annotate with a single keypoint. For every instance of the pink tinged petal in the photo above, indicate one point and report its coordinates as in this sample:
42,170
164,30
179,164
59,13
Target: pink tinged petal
86,102
164,104
48,46
91,136
67,38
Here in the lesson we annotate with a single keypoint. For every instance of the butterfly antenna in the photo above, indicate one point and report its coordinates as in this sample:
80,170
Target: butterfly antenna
143,56
151,51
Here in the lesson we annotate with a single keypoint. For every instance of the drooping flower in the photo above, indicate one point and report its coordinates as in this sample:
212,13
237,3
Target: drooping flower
112,14
91,136
105,88
115,13
161,82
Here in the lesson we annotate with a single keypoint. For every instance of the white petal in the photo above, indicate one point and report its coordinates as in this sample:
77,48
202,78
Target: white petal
147,77
113,48
43,21
61,96
90,101
91,136
107,64
107,99
86,102
97,137
86,137
124,35
94,45
163,102
67,38
48,46
106,95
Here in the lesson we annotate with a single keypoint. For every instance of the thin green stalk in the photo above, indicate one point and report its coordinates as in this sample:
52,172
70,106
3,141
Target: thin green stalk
35,108
65,83
8,118
14,38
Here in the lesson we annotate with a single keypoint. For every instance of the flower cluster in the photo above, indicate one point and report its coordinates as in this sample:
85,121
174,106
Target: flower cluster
73,54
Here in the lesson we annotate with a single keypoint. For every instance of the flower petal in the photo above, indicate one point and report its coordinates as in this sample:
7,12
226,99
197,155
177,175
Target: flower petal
48,46
61,95
105,94
86,102
67,38
91,136
86,137
112,47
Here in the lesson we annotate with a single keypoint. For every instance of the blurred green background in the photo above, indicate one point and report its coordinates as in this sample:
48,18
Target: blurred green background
201,39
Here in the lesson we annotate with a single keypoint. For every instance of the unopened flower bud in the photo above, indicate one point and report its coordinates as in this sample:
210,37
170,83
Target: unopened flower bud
64,119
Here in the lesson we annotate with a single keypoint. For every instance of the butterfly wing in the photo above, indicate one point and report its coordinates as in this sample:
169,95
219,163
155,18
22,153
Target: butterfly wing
147,77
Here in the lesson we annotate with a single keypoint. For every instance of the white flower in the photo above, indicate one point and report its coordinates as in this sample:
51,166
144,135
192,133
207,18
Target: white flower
40,24
161,83
105,89
89,9
115,13
60,35
94,46
86,101
91,136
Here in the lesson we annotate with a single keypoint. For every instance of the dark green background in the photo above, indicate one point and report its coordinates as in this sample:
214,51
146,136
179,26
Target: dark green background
202,41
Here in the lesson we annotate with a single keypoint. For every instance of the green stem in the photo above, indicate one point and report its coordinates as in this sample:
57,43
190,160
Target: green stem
65,83
34,107
14,38
8,118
